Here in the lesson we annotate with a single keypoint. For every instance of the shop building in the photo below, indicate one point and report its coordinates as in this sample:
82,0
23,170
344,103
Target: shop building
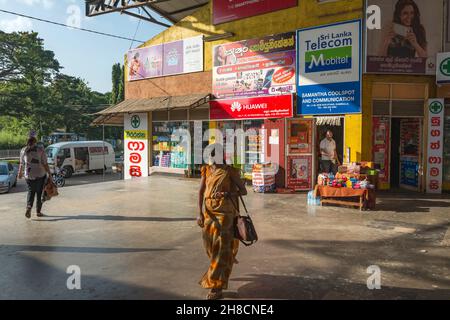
393,101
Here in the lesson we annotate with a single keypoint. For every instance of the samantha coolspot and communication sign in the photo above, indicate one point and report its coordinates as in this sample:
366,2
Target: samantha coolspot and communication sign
409,39
230,10
329,69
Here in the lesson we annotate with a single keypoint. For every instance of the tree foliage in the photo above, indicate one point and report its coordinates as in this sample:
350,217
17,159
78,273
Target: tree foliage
34,95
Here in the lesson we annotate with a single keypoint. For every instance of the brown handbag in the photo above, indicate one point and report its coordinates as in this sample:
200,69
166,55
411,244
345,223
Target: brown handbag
244,229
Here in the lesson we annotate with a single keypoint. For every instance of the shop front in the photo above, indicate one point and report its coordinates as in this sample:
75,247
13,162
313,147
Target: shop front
255,130
399,134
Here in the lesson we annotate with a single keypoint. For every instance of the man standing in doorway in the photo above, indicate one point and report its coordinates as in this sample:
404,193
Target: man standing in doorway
329,159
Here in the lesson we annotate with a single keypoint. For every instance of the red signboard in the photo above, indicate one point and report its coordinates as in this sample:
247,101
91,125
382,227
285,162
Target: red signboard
252,108
230,10
299,172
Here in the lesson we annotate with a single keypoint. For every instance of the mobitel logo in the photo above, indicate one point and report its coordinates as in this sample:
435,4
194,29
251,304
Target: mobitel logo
328,60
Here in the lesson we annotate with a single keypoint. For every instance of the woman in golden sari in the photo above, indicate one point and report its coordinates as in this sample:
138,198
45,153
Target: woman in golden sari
220,185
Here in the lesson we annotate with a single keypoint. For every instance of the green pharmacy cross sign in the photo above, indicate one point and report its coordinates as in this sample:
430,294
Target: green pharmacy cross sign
135,121
436,107
445,67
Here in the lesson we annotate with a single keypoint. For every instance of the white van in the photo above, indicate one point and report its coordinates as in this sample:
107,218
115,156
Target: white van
81,156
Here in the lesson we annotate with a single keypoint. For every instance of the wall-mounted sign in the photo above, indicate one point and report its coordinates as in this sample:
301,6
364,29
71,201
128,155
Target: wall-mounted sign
299,172
230,10
443,68
435,145
410,37
381,147
329,69
300,134
136,145
252,108
184,56
262,66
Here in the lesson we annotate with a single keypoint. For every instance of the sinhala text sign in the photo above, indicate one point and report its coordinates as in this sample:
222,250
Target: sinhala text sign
255,67
435,145
329,69
136,145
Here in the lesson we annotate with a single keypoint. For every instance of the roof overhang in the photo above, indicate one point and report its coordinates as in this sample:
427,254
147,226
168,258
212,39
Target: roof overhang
114,115
172,10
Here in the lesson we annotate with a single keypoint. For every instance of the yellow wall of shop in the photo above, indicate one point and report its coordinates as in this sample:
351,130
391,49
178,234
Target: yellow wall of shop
308,13
353,135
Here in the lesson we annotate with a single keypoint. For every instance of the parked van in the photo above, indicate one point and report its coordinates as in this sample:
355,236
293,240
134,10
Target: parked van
81,156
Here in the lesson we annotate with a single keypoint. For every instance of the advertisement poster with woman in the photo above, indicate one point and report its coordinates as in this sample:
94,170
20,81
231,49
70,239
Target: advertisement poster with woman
263,66
410,37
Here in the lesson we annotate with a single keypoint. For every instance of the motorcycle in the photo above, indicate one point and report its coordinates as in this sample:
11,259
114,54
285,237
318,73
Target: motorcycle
58,177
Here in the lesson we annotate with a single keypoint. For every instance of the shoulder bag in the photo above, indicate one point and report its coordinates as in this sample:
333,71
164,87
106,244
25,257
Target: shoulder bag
244,229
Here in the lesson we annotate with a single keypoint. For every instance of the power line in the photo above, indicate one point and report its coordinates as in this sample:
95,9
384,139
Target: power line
66,26
137,28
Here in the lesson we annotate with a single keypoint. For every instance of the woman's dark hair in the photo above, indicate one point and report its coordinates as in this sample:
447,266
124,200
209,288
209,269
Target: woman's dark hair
30,143
417,26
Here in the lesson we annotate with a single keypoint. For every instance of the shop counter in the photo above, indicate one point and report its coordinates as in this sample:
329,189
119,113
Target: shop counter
361,198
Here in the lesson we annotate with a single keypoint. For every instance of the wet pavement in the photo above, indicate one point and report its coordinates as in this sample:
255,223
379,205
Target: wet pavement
138,240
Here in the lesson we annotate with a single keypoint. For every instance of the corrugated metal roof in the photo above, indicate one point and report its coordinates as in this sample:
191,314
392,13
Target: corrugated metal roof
175,10
114,114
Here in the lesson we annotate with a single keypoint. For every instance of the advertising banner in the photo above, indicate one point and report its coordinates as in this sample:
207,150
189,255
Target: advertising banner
263,66
230,10
252,108
136,145
300,132
435,145
299,173
329,69
409,39
381,138
184,56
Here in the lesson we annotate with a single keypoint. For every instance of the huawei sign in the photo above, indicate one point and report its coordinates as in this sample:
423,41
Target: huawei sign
236,106
252,108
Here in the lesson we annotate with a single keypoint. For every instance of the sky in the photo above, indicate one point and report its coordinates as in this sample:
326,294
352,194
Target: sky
82,54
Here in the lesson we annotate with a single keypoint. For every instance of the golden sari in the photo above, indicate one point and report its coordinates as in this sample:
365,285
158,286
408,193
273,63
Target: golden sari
218,232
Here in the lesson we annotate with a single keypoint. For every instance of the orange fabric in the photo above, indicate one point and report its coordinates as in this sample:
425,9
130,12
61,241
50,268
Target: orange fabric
218,231
330,192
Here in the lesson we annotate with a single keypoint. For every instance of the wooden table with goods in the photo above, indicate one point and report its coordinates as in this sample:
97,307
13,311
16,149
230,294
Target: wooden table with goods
361,198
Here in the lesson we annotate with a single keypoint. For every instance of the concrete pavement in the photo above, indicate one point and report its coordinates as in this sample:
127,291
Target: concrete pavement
138,240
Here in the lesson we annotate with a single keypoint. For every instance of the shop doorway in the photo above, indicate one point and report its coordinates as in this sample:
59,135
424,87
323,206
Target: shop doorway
337,127
406,150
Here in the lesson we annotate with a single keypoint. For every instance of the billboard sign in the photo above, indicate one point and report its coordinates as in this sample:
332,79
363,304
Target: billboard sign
184,56
409,39
329,69
262,66
230,10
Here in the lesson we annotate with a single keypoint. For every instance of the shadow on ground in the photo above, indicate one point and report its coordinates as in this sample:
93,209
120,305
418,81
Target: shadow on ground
266,286
52,218
35,279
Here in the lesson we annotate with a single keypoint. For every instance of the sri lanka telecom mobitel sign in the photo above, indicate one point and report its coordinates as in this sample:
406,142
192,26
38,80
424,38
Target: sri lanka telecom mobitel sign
329,69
